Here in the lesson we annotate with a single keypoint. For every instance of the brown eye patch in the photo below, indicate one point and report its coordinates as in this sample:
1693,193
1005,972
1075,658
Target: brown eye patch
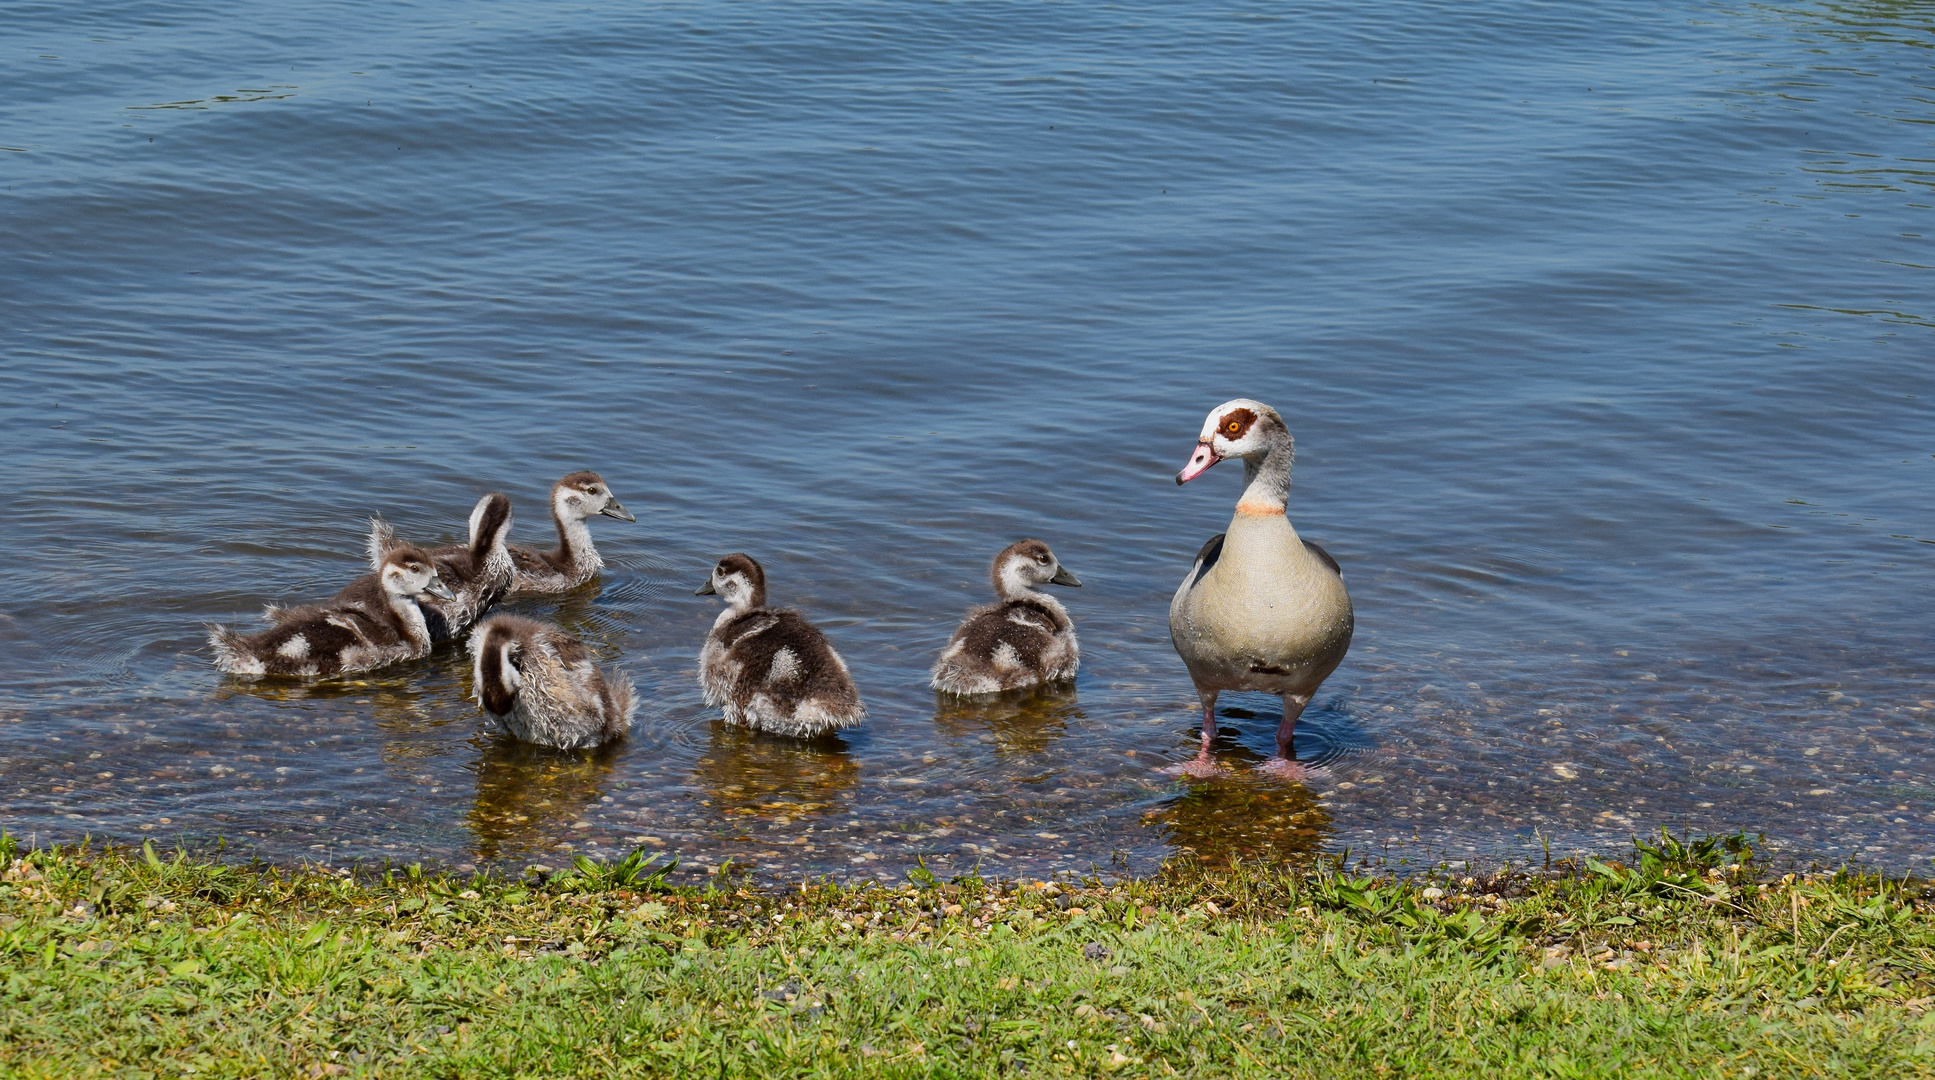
1236,423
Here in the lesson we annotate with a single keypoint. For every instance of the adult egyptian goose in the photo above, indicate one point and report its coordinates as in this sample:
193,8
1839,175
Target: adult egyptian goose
539,684
574,561
477,572
1024,640
771,670
1262,608
376,620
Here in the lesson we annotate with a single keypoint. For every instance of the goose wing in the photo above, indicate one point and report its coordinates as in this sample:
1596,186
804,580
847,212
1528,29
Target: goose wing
1323,556
1206,559
569,650
757,622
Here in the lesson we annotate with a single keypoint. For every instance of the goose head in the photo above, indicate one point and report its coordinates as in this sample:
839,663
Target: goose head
738,580
1025,564
408,572
584,494
495,651
1240,429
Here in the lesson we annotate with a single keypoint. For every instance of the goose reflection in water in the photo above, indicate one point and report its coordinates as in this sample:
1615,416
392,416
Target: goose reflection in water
387,691
1224,820
1234,817
751,776
404,709
530,797
1018,724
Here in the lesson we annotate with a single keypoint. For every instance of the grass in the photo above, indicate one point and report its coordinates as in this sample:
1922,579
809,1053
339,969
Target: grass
1674,962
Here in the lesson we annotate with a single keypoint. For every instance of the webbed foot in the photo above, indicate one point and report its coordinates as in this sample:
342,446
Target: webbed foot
1202,767
1282,768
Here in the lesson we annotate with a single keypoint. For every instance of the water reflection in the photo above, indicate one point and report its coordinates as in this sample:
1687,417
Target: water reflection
1015,723
291,691
530,797
404,709
1237,818
775,779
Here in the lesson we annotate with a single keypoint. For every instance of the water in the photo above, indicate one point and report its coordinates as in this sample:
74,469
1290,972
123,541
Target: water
1605,333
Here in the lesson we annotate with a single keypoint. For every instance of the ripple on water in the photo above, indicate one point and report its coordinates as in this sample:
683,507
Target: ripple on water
1607,381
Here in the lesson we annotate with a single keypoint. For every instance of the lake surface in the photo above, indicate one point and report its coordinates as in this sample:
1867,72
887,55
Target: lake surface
1606,332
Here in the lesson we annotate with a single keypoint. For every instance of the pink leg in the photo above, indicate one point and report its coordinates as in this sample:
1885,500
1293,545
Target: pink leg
1204,766
1284,765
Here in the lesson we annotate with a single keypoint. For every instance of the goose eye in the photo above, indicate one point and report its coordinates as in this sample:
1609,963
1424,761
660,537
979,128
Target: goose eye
1232,427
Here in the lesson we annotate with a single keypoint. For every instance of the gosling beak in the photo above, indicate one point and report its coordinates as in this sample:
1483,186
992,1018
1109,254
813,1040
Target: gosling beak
1063,577
1199,463
614,509
436,588
706,589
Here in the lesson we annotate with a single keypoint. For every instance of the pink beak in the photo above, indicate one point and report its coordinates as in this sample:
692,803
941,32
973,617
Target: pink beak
1199,463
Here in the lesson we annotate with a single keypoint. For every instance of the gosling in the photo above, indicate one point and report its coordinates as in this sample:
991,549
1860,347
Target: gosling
771,670
539,684
478,572
1025,639
375,621
574,561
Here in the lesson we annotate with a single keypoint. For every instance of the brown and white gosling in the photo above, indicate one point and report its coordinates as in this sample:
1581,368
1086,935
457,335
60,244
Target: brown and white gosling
574,561
376,620
1262,608
771,670
478,572
1024,640
540,685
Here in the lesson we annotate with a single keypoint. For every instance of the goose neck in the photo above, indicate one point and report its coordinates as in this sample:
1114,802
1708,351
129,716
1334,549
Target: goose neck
574,542
410,614
1266,481
1010,585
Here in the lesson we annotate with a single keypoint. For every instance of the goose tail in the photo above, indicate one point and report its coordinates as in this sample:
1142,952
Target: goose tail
490,523
621,705
232,654
382,538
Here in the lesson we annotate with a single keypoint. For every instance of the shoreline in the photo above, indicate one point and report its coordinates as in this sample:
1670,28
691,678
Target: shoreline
1390,859
1685,959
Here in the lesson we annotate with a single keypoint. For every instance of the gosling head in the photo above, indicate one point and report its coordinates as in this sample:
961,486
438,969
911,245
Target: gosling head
1240,429
1025,564
737,580
584,494
408,572
494,651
